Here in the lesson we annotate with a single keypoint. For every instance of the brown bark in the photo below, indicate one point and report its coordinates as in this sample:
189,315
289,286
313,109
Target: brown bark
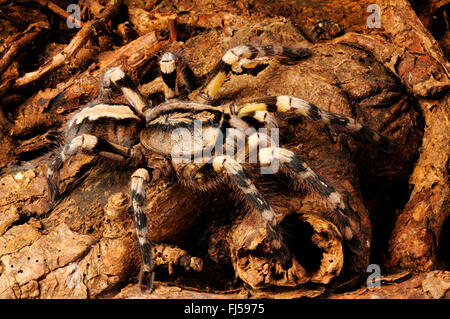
18,46
416,58
428,207
86,32
59,11
20,43
388,79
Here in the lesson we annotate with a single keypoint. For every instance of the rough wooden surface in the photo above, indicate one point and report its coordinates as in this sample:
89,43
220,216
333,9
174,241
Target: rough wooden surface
394,80
404,285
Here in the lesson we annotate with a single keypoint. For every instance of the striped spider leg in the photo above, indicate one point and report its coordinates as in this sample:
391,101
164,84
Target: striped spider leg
118,124
296,168
280,160
236,58
116,78
94,145
245,56
233,174
286,103
171,65
146,274
112,131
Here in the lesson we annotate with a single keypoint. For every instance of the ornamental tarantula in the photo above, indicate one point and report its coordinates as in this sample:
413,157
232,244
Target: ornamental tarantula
142,136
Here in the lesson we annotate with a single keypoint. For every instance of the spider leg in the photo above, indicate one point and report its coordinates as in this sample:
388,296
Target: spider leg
170,65
246,56
285,103
302,176
263,149
138,181
115,77
264,118
83,143
240,179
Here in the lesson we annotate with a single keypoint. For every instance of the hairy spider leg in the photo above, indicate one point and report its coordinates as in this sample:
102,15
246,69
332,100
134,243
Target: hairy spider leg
231,170
261,146
138,182
246,56
303,177
286,103
83,143
170,65
265,118
116,77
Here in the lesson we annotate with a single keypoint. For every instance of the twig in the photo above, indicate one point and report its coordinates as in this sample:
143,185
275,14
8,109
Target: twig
59,11
74,46
24,40
19,44
172,23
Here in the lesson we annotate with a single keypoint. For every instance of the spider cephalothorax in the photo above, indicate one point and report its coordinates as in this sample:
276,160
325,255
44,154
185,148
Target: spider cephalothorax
154,139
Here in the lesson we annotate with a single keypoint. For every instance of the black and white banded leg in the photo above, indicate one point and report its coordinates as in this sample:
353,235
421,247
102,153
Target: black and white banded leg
303,177
286,103
171,65
263,118
245,56
138,183
231,170
84,143
116,77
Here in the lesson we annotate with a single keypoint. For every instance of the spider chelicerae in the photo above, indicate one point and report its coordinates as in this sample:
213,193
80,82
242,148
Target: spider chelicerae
142,136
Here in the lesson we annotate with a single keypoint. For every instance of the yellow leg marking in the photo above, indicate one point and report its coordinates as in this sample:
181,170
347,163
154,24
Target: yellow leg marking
251,107
213,87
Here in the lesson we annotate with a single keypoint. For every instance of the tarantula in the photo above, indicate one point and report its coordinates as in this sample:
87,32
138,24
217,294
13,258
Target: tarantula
143,136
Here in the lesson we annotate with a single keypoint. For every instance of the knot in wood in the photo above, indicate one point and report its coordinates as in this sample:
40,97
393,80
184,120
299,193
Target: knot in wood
118,203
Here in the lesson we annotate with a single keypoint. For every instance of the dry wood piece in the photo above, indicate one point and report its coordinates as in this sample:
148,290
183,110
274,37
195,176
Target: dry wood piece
4,122
416,58
394,79
419,226
256,268
18,46
171,255
74,46
172,23
21,42
145,21
59,11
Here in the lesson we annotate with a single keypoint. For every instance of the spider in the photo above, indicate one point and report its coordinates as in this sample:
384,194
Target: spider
141,135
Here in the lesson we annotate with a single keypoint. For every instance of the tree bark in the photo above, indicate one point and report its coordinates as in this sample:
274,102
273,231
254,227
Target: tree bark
424,69
394,80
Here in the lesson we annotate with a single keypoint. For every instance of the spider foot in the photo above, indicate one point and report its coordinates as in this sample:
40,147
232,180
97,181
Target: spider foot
349,223
292,55
284,257
281,252
53,190
146,279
